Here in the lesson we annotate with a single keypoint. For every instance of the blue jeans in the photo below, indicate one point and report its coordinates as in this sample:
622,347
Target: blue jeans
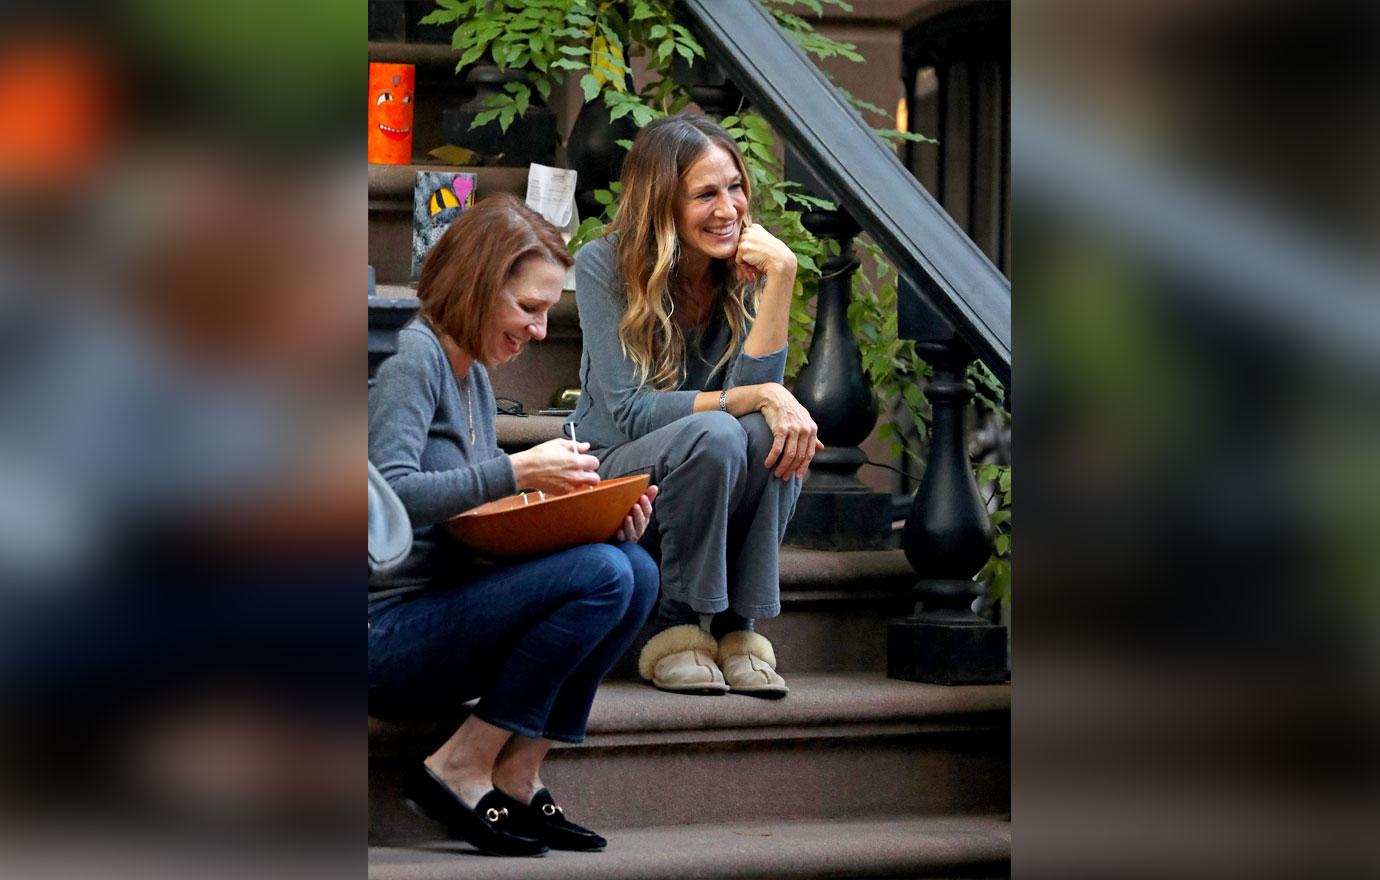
531,640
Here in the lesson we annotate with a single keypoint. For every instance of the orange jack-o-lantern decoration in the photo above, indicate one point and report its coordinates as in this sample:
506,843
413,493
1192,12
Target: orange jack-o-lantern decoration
391,88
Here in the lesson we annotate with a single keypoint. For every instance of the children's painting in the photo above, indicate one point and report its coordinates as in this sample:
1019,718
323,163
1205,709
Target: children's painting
439,198
391,88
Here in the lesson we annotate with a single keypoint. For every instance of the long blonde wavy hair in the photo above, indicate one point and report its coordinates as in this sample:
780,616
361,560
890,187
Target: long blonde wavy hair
648,248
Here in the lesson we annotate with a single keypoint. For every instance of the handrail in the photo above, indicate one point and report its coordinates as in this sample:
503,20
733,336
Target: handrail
842,151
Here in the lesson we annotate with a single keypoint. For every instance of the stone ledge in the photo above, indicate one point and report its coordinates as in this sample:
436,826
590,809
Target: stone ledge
817,701
391,186
907,846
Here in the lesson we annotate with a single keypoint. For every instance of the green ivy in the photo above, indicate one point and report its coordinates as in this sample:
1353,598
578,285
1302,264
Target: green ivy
550,40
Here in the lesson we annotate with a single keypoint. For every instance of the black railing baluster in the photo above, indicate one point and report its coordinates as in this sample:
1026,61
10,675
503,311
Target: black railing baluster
947,539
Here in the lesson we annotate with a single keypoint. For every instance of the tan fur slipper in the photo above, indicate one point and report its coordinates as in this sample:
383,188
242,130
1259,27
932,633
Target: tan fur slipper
681,659
749,665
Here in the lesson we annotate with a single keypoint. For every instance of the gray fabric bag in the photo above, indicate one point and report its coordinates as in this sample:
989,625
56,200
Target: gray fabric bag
390,531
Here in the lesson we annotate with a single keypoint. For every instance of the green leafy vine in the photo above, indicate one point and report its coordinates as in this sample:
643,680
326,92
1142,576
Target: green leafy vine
550,40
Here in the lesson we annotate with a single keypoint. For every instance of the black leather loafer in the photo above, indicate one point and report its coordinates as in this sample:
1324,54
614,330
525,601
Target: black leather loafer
489,826
546,821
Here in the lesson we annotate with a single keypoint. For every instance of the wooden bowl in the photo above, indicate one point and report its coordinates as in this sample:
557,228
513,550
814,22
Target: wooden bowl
533,525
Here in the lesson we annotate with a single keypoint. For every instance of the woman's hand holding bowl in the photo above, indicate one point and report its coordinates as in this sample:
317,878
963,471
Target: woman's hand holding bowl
635,523
556,467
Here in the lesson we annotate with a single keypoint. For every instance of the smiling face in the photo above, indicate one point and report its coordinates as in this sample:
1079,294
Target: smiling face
390,112
711,206
519,313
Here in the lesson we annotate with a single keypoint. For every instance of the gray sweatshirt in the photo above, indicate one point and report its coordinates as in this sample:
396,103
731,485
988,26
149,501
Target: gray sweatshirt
614,407
419,439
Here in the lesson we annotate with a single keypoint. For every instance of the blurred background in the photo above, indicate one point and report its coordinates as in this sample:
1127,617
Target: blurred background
1197,305
1196,286
182,252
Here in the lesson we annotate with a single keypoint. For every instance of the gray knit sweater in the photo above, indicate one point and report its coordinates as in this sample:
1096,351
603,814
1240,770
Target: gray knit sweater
419,439
614,407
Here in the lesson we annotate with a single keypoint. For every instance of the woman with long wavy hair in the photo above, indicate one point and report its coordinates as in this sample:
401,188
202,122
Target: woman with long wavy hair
684,307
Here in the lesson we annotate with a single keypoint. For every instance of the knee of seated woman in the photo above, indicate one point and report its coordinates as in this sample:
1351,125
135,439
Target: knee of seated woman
646,584
758,432
603,569
721,433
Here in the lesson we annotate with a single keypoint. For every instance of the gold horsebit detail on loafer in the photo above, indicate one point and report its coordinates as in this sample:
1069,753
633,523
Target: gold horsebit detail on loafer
550,809
494,815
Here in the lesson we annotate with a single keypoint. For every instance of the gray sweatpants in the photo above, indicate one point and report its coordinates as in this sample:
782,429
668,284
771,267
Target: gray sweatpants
719,519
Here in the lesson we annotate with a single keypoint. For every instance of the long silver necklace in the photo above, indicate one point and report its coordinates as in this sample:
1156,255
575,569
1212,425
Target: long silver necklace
453,355
469,409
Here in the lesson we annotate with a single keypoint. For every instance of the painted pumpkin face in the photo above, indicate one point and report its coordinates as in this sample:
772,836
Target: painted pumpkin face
391,93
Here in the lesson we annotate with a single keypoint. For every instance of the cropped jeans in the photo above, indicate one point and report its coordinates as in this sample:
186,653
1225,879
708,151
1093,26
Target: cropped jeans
531,640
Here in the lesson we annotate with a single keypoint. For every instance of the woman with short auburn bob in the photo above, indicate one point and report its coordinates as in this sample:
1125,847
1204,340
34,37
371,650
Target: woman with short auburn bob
681,378
532,639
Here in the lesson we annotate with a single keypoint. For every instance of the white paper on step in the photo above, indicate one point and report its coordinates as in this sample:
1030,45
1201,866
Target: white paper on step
551,193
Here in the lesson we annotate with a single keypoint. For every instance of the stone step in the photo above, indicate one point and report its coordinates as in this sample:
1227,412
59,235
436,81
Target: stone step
516,433
390,210
897,846
834,610
838,745
439,55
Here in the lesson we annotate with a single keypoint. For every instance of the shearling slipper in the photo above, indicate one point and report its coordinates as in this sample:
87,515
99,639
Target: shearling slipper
749,665
681,659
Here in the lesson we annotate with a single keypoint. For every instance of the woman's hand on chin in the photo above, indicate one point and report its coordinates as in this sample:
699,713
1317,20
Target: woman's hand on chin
762,254
635,523
555,467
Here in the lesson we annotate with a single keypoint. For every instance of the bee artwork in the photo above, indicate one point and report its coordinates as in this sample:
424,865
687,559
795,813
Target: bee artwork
391,94
438,199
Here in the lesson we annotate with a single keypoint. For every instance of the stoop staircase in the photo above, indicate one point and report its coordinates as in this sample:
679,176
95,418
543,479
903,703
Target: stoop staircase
851,775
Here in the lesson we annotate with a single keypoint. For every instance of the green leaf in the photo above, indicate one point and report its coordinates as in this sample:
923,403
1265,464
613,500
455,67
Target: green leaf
642,114
760,151
603,197
484,118
575,50
440,16
590,86
624,143
685,52
505,117
757,125
567,64
620,111
657,32
469,57
544,87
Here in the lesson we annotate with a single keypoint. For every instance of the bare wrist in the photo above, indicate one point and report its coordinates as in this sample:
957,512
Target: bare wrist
519,469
